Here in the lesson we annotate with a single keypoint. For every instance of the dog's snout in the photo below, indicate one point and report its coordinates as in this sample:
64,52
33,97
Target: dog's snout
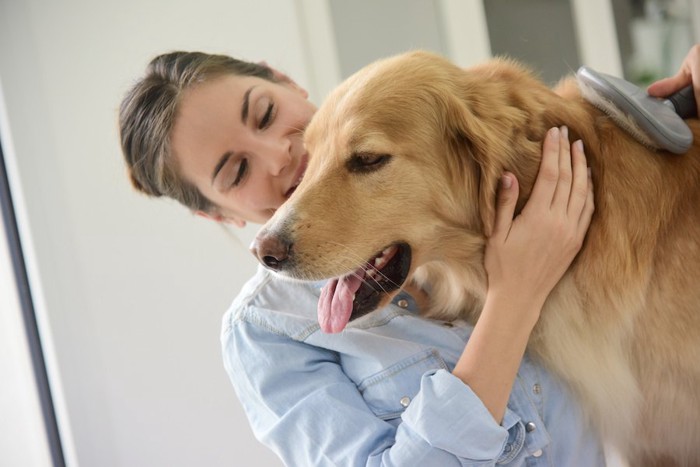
272,250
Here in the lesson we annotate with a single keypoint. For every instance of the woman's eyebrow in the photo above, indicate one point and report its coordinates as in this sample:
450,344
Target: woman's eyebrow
220,164
244,118
246,106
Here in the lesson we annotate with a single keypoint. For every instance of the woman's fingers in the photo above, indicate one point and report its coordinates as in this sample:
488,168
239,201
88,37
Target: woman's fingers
562,194
507,199
562,190
689,73
587,211
580,180
588,206
667,86
581,204
531,252
548,176
556,179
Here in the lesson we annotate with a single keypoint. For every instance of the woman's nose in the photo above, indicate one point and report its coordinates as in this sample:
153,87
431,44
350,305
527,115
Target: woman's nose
280,156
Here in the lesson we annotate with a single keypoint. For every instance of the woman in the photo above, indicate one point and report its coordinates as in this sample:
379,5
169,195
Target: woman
223,137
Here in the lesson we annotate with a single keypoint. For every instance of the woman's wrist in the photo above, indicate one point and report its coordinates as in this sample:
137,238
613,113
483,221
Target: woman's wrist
521,308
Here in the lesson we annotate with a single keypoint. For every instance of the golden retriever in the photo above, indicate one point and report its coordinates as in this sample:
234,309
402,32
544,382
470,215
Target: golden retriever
405,158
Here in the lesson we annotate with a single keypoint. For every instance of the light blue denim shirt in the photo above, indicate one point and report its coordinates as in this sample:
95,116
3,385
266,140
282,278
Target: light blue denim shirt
381,393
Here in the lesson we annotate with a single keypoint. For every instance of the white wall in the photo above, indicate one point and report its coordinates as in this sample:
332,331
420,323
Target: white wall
133,289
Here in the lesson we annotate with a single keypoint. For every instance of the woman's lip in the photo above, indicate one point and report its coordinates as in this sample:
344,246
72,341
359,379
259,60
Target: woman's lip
299,174
303,162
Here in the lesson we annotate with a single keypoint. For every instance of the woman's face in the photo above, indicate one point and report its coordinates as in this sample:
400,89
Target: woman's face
238,139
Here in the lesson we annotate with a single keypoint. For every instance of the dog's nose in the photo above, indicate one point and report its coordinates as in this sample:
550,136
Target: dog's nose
271,250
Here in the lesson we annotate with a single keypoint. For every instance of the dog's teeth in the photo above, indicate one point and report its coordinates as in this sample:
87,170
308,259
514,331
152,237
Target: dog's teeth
371,273
380,261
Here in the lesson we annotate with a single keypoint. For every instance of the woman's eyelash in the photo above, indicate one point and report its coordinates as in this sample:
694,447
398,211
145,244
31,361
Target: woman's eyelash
242,170
265,121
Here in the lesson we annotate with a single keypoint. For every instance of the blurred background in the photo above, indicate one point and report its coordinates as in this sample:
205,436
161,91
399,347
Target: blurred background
111,303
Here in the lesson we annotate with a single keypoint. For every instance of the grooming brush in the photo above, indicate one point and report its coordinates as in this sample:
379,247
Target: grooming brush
656,123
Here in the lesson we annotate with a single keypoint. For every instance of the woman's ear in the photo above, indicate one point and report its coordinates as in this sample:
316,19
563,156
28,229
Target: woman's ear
235,221
219,218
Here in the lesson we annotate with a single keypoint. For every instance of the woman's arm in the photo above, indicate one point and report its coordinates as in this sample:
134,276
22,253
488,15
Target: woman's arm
525,258
302,404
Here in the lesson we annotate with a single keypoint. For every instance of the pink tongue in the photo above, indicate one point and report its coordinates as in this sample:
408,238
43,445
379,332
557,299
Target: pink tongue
335,303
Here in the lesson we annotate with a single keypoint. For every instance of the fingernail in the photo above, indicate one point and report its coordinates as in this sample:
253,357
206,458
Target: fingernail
554,133
579,145
564,132
506,182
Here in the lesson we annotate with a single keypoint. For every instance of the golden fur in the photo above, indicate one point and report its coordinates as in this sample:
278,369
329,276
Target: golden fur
623,325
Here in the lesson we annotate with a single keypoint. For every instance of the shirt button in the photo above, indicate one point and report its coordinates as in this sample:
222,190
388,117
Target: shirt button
530,427
536,388
405,400
403,303
537,453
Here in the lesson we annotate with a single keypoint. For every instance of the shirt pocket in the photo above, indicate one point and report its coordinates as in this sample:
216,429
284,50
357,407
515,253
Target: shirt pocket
390,391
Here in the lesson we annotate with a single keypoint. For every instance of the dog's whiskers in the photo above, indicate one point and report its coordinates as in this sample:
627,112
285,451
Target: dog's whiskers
355,258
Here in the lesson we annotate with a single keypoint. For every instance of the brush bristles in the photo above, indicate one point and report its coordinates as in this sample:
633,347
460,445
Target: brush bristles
623,120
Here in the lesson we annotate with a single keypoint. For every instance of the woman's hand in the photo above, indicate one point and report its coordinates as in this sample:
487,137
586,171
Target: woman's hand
525,258
689,73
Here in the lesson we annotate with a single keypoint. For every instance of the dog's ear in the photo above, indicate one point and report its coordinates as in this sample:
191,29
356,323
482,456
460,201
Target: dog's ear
486,146
499,113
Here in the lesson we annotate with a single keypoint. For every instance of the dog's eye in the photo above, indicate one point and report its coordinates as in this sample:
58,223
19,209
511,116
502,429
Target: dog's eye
367,162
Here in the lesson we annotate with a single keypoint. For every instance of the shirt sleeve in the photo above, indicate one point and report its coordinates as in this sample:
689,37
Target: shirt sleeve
302,405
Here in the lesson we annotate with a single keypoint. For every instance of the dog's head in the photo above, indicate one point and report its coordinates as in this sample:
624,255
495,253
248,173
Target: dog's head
404,159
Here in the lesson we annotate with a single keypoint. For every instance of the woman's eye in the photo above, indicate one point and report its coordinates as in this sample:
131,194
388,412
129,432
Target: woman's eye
265,120
242,170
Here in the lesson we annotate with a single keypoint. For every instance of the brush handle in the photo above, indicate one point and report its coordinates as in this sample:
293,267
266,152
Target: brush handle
684,102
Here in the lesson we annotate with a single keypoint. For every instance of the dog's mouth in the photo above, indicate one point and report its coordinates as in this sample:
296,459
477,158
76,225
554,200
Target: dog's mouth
361,291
